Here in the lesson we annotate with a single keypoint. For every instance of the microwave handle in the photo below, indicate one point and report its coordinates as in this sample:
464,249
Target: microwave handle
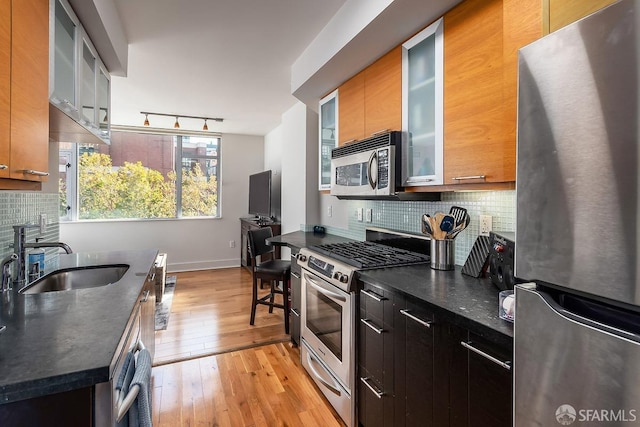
372,159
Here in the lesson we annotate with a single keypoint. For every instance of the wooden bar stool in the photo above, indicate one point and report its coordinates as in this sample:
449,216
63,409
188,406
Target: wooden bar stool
273,271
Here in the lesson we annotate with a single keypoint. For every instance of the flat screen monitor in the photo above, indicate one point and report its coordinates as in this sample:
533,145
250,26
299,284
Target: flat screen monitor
260,194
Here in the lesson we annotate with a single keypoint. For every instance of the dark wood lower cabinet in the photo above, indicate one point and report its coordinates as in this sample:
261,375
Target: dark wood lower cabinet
414,364
71,408
490,385
414,370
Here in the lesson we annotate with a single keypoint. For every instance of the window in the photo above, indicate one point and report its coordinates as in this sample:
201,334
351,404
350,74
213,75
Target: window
135,177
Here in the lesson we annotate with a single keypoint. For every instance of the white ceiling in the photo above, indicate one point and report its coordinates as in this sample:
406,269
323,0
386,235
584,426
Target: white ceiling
214,58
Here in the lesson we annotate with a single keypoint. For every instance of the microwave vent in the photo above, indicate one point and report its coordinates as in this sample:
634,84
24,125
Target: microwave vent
378,141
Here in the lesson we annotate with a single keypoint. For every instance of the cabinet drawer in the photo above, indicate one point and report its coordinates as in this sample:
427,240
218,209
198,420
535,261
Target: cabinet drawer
377,304
415,364
490,384
375,349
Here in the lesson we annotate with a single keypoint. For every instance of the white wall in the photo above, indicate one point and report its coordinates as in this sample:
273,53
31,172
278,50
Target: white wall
273,161
300,197
339,212
191,244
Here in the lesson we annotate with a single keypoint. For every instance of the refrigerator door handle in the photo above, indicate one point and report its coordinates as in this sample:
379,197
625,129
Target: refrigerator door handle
468,345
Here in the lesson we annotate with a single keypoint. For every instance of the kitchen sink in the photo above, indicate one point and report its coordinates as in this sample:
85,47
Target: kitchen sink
77,278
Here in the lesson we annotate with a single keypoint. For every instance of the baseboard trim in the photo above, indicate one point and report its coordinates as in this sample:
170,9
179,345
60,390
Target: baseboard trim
202,265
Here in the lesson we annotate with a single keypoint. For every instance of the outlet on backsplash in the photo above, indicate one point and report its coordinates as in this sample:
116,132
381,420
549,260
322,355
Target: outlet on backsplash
368,217
486,224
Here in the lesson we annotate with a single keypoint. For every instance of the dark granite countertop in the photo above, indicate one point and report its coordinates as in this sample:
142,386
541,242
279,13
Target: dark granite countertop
300,239
463,300
60,341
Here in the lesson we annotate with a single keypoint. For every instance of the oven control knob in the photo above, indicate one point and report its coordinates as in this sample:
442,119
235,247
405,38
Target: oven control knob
337,275
302,257
344,278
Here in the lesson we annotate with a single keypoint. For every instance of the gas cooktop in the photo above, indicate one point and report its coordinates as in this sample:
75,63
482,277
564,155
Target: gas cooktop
367,255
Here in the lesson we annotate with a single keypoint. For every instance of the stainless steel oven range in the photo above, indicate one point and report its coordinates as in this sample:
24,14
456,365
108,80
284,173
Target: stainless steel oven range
328,315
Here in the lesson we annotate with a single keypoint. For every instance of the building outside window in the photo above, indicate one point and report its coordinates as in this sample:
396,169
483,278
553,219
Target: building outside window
135,177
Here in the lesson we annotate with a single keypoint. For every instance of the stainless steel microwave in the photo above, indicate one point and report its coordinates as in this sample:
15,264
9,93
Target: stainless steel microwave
367,168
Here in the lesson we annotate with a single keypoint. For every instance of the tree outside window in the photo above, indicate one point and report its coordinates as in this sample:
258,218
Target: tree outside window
135,177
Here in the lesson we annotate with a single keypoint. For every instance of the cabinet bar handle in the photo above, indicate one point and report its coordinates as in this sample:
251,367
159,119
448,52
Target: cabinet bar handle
412,317
36,173
296,275
420,179
380,132
145,298
373,295
365,381
295,312
2,167
462,178
372,326
505,365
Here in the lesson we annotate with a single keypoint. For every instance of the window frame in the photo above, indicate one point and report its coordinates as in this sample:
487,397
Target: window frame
72,174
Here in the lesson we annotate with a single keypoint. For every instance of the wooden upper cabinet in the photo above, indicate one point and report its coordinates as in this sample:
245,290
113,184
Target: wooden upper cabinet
5,86
481,39
383,94
371,101
564,12
29,89
351,109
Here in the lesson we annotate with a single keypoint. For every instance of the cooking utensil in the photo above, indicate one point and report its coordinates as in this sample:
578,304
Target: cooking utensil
448,223
458,228
426,225
458,213
436,220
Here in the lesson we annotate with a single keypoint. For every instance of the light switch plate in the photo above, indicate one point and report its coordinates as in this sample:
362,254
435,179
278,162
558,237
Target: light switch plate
359,214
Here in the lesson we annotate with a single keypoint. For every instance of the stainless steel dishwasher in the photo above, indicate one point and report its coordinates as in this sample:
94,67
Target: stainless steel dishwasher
106,402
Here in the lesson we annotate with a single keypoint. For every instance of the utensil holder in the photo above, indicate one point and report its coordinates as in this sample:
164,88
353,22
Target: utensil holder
442,254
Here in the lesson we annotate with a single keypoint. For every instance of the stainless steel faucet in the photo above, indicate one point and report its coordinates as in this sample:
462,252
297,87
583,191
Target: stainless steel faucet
6,272
20,247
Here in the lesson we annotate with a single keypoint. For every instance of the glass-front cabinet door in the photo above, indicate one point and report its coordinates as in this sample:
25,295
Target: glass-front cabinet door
88,88
328,138
422,107
104,102
63,71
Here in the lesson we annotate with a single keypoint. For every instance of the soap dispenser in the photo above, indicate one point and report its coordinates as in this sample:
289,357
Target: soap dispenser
35,264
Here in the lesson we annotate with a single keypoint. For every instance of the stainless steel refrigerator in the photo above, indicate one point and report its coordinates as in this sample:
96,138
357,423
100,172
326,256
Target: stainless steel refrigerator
577,327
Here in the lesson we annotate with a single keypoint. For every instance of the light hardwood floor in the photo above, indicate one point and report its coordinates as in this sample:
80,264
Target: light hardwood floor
210,315
264,385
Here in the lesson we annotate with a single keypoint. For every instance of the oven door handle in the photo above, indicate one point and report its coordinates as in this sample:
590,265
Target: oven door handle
372,159
312,361
314,284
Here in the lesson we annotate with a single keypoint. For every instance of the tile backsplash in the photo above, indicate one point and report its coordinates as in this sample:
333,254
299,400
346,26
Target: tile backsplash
25,208
406,216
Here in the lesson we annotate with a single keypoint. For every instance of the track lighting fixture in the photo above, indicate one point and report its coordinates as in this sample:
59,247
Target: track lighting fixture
176,125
